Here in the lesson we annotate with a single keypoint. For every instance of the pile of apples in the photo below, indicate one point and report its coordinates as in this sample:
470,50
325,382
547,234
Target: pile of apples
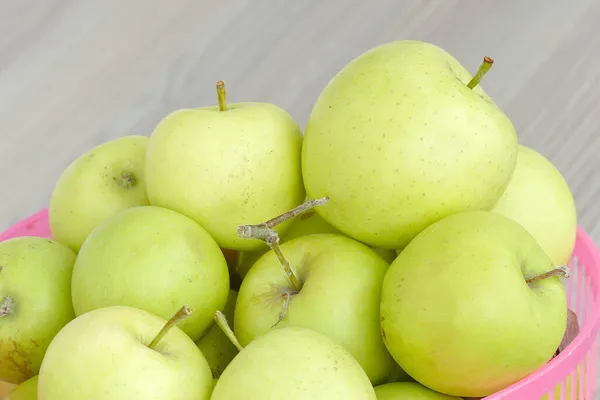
404,246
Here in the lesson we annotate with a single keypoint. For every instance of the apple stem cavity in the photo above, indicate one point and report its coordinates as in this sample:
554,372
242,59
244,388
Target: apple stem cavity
127,180
180,315
7,306
265,232
483,69
221,95
222,323
562,270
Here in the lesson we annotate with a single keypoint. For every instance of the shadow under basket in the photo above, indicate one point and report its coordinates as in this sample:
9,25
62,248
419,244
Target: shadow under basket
569,376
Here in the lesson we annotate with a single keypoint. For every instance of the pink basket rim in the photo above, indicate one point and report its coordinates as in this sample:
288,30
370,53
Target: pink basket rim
562,365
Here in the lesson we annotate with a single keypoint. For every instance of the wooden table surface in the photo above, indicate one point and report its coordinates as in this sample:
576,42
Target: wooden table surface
74,74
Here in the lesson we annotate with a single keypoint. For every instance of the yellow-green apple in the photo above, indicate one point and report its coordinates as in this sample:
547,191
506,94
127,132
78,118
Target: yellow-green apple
99,183
539,198
295,364
226,165
401,137
35,302
154,259
472,305
339,296
123,353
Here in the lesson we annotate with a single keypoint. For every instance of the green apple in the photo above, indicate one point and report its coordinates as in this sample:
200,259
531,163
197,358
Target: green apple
398,139
25,391
479,312
293,364
216,347
539,198
154,259
340,295
110,353
99,183
409,391
35,302
226,165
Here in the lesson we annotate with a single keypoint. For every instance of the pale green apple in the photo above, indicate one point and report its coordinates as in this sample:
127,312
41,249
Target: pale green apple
458,313
397,140
409,391
216,347
539,198
226,168
35,302
106,354
154,259
340,297
293,364
25,391
99,183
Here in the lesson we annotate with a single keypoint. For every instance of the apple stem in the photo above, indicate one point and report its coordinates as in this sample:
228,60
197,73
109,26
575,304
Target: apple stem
180,315
483,69
221,95
264,231
6,308
221,321
562,270
286,304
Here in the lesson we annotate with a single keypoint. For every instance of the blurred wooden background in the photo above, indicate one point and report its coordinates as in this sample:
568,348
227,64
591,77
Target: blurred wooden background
74,73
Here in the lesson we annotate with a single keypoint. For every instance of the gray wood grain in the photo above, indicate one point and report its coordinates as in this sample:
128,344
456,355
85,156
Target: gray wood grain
74,74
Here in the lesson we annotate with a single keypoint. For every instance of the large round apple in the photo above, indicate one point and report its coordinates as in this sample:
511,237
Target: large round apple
153,259
293,364
472,305
399,140
226,166
35,302
112,353
340,295
99,183
539,198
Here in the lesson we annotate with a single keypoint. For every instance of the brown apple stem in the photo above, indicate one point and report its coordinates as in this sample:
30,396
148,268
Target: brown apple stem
221,321
286,304
7,306
221,95
180,315
562,270
483,69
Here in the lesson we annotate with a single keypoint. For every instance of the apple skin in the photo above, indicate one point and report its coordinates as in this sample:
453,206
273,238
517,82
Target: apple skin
409,391
216,347
340,297
156,260
5,387
36,274
539,198
25,391
398,141
104,354
226,168
462,320
295,364
99,183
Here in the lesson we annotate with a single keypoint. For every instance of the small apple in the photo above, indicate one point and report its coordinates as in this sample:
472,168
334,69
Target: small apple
339,295
99,183
122,352
294,364
402,137
35,302
215,345
153,259
539,198
480,312
25,391
409,391
225,165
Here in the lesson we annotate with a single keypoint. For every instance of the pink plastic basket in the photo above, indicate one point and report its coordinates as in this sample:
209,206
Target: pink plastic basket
557,380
